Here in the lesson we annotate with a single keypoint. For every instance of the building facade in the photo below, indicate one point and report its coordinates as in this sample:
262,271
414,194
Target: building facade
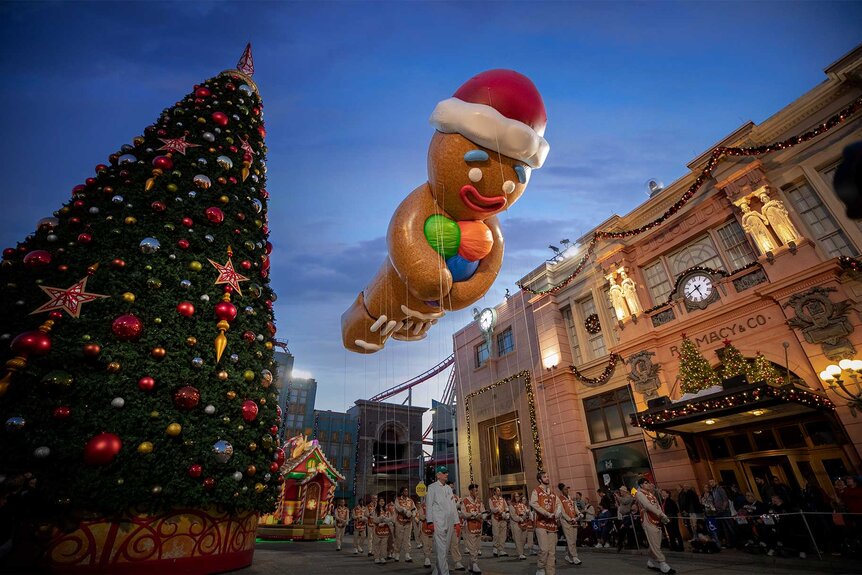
760,256
389,451
336,434
296,397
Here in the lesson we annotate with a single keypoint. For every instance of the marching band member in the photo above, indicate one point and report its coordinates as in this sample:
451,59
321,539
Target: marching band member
342,517
652,517
360,523
499,521
547,507
471,511
383,519
520,515
426,533
569,522
404,511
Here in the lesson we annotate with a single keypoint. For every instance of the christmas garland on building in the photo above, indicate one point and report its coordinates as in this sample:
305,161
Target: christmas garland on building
718,155
531,408
604,377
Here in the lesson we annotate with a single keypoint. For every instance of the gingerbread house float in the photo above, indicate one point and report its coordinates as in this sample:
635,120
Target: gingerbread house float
307,493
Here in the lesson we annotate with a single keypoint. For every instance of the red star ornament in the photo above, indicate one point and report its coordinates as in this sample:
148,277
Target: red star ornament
177,145
70,299
246,147
228,275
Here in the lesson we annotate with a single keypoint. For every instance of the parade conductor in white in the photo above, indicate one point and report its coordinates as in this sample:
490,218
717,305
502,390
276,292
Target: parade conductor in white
442,512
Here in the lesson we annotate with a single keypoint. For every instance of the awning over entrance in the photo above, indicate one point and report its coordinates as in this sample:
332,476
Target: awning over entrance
731,407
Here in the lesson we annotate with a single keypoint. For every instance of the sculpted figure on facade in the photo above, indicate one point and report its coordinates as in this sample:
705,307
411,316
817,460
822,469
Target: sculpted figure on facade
823,322
778,218
755,224
644,374
630,292
618,300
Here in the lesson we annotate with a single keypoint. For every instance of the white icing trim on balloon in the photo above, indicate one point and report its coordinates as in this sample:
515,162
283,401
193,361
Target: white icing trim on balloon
489,128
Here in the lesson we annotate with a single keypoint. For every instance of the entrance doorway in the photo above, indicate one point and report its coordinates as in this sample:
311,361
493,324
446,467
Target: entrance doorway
766,468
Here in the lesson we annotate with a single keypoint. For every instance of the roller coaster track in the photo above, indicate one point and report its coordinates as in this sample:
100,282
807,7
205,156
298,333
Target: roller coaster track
400,388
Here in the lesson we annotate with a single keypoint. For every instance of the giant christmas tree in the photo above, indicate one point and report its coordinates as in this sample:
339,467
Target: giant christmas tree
140,322
695,373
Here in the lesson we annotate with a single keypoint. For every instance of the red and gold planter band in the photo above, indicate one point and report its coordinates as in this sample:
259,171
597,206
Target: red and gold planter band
182,541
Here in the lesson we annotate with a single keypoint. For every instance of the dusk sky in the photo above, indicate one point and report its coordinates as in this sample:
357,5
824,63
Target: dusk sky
633,91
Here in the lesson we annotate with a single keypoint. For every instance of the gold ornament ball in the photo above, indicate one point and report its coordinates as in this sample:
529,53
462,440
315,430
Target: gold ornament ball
128,297
240,427
223,199
113,367
157,320
248,375
191,341
172,188
222,375
154,414
158,352
225,420
268,345
259,487
120,481
250,470
174,429
231,394
148,268
138,140
145,447
202,120
157,489
195,266
130,220
252,446
262,401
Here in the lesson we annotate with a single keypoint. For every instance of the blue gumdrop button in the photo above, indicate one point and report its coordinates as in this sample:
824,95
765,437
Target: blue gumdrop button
461,269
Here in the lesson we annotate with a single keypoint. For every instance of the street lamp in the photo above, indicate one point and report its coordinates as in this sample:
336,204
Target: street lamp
835,376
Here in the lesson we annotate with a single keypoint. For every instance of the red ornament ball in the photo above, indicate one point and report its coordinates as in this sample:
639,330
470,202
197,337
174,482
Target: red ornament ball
279,456
118,264
214,215
220,118
248,336
203,92
245,264
8,253
208,483
195,470
226,311
186,309
146,383
187,397
249,410
163,163
158,207
84,238
188,222
102,449
91,350
62,412
273,467
183,244
127,328
31,344
36,258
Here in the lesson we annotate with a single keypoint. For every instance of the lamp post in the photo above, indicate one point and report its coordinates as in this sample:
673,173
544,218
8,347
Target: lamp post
837,376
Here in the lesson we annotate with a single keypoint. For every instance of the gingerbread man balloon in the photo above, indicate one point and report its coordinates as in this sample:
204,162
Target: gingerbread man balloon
444,240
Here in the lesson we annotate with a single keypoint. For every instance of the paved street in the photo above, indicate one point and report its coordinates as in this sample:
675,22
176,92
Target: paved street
313,558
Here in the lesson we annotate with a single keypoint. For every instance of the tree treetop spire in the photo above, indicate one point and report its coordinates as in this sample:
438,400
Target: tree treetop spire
246,61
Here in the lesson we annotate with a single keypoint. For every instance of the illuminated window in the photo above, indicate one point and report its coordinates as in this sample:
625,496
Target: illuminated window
504,442
573,334
657,282
608,415
597,340
700,252
820,223
736,246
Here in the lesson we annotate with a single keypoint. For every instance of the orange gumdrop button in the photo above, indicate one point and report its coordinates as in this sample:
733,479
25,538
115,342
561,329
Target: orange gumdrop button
476,240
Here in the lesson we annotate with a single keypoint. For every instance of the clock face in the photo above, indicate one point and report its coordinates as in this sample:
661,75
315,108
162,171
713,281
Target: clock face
486,319
698,288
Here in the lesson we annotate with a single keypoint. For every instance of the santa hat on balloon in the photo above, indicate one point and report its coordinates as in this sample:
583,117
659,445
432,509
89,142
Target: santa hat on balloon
501,110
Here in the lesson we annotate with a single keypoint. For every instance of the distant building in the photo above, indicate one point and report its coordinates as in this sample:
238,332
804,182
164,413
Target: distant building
390,447
443,425
336,433
295,397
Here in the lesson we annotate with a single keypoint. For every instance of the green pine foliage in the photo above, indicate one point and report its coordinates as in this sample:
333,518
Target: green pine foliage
695,373
732,362
92,376
764,370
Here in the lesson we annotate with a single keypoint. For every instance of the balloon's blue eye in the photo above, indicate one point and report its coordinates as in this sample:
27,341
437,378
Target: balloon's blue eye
476,156
522,174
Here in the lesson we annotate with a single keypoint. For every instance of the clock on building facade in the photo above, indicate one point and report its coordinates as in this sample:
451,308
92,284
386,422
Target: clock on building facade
697,289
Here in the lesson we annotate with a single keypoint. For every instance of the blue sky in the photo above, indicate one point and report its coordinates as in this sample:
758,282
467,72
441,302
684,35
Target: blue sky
633,90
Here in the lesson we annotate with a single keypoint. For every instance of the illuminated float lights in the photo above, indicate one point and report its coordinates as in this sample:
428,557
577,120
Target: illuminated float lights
759,394
717,155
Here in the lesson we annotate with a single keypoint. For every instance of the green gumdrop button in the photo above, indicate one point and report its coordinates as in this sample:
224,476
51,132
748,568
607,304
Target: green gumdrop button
443,235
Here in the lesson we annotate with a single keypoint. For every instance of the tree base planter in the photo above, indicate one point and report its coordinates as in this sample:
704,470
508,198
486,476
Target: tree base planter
182,541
